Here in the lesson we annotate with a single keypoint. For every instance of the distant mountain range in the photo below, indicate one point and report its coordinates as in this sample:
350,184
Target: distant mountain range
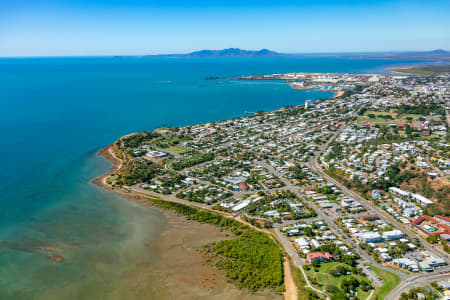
230,52
440,55
236,52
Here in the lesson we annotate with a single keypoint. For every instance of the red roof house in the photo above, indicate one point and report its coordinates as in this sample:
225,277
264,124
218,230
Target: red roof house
319,256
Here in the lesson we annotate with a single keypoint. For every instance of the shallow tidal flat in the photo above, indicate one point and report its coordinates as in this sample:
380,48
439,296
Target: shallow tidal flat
139,252
181,271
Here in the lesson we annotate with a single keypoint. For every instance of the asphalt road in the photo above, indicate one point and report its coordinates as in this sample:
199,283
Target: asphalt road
328,220
415,281
408,281
314,165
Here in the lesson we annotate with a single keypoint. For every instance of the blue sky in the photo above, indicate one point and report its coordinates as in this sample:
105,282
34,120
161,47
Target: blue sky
120,27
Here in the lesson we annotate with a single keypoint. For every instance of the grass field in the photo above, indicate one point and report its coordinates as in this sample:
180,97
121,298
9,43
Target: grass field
177,149
390,281
376,120
303,292
395,117
377,113
363,295
324,278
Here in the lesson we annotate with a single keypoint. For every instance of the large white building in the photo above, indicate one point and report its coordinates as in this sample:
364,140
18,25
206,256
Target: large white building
242,205
421,199
392,235
370,237
397,191
418,198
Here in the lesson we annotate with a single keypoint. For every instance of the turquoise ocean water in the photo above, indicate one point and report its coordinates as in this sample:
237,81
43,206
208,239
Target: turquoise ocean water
56,113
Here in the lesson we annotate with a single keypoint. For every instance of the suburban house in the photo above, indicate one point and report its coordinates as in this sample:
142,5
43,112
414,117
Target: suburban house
319,256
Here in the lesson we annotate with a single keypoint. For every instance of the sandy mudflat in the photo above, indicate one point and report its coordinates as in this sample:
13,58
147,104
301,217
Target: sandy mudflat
182,273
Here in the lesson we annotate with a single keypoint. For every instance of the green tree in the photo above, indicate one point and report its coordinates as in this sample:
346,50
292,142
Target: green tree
432,239
349,284
331,289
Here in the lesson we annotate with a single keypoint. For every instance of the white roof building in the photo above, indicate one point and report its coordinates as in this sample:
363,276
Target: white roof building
421,199
302,242
370,237
241,205
392,235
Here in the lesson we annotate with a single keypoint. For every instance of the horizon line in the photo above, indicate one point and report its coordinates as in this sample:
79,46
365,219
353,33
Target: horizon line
192,51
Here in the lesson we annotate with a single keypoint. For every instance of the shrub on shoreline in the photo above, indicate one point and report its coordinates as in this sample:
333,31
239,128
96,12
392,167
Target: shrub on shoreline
252,260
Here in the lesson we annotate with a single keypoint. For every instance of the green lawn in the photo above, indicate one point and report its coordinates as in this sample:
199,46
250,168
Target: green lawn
377,113
365,117
390,281
325,279
375,120
303,292
177,149
414,117
363,295
395,117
